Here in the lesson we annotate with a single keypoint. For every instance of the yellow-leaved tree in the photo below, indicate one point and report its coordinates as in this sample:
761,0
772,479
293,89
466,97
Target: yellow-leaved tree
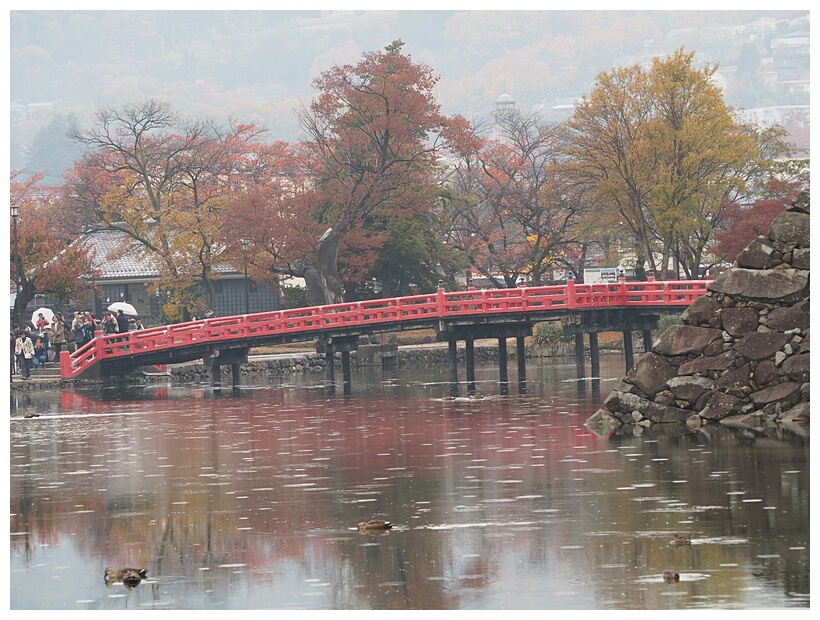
662,154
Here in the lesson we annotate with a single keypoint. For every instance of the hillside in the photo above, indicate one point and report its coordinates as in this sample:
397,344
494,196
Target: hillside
258,65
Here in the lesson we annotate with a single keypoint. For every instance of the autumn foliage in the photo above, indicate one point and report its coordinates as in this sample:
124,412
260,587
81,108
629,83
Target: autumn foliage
385,194
746,224
48,260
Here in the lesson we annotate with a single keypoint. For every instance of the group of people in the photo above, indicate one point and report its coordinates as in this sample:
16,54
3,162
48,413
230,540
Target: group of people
31,344
85,324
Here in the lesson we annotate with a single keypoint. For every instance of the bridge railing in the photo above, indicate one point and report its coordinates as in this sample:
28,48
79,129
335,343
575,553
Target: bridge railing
435,305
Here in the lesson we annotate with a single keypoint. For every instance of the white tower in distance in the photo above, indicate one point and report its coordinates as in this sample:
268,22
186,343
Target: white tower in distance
504,112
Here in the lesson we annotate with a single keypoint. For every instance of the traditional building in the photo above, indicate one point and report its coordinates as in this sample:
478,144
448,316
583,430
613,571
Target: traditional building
126,275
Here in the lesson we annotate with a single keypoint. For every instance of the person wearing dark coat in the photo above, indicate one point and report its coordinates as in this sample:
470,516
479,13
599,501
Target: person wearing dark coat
122,322
109,324
40,353
79,333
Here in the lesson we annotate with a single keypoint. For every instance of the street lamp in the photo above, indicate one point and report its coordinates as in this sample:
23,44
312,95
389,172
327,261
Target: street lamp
245,256
14,214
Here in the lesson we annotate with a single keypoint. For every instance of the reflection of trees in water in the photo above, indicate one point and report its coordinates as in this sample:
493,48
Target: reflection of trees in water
276,484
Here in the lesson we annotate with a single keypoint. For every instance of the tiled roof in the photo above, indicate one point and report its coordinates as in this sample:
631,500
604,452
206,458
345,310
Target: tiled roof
119,258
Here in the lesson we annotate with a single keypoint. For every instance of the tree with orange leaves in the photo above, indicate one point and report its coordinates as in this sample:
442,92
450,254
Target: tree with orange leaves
375,140
47,262
514,215
165,183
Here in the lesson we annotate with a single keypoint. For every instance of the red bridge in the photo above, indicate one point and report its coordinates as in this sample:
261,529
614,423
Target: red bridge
465,315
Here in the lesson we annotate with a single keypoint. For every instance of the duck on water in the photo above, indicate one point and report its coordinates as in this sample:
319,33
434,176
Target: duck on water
130,577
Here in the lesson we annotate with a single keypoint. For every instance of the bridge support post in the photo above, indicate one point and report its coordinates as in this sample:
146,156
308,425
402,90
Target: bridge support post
521,358
329,344
647,341
594,355
502,362
629,355
469,358
580,370
217,358
347,382
330,359
216,376
621,320
452,362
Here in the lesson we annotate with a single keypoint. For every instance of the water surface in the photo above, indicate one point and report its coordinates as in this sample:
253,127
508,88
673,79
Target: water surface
250,499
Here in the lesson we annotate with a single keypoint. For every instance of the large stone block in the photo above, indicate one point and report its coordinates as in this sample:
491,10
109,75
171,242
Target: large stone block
791,227
721,405
756,255
621,402
797,367
760,345
735,380
786,393
783,285
602,423
702,311
690,388
801,258
702,365
685,340
788,317
801,203
651,372
738,322
799,413
765,373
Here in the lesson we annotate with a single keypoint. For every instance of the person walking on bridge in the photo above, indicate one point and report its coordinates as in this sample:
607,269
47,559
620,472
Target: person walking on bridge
122,322
109,324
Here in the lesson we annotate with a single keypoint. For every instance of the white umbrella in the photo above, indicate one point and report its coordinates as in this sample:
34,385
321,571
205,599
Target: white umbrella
126,308
47,315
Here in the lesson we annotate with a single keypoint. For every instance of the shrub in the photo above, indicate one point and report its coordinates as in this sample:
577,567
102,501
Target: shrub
550,333
667,320
294,297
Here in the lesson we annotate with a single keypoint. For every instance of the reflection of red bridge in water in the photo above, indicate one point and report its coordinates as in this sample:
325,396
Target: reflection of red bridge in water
462,315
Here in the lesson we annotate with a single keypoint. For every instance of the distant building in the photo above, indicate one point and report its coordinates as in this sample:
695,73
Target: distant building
504,112
126,276
771,115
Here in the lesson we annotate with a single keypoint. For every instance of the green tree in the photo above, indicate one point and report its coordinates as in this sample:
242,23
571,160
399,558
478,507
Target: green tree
411,257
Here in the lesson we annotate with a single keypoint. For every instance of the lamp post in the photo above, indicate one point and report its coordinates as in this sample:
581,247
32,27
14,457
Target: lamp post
245,256
16,318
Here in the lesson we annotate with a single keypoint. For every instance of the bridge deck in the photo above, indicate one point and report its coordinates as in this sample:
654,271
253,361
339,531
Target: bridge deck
196,339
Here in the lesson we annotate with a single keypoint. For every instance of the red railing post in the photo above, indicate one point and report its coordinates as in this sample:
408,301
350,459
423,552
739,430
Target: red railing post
440,301
569,294
65,364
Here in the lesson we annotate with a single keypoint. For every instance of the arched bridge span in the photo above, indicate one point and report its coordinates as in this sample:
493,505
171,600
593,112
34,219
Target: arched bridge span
582,308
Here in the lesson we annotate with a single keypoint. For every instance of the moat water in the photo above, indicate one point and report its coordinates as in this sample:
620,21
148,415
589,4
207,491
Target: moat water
249,499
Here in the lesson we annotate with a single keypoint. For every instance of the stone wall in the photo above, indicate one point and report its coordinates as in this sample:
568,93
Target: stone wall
742,355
